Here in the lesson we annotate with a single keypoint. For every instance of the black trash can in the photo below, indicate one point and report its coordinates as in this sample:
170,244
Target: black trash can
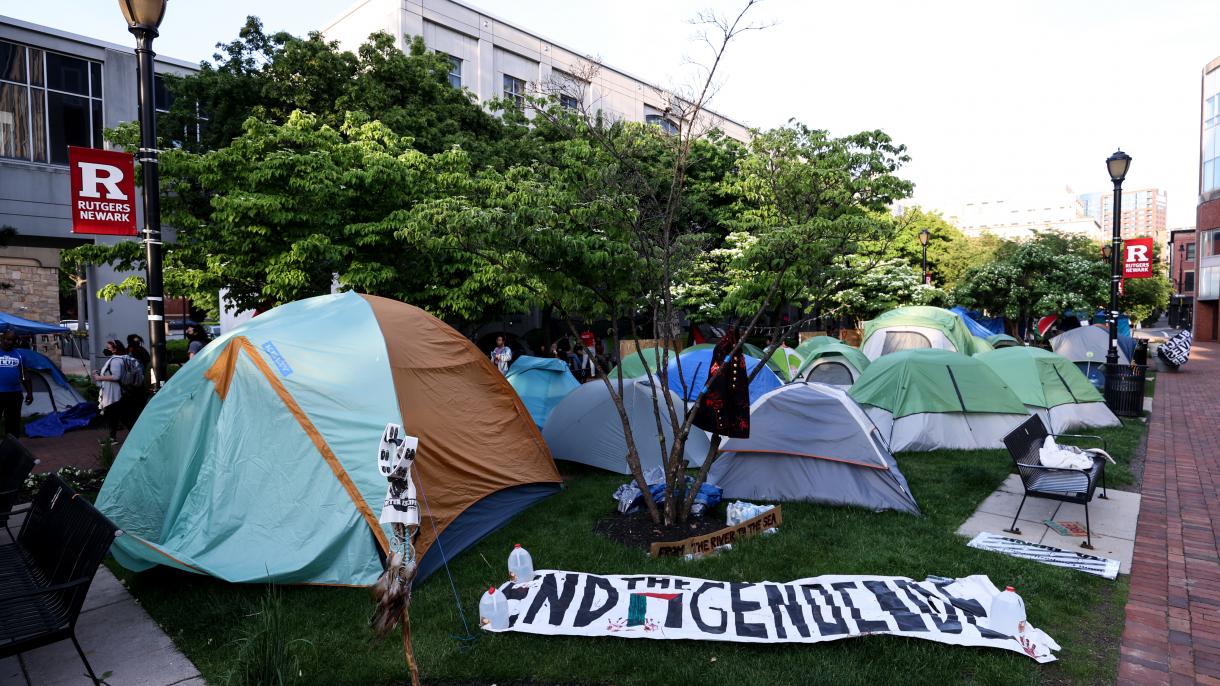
1124,389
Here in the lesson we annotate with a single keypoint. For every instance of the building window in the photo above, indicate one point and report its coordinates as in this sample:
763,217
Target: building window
666,125
1190,252
163,102
1211,153
569,102
514,91
1188,281
455,71
1209,283
48,102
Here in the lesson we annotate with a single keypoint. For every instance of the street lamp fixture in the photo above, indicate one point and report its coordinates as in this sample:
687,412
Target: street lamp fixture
1117,164
143,19
1106,250
924,236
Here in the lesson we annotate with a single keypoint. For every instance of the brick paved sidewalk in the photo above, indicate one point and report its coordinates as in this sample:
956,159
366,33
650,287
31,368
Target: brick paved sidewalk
76,448
1172,632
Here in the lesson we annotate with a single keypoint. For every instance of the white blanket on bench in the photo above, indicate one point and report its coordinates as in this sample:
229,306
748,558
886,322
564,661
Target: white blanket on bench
1068,456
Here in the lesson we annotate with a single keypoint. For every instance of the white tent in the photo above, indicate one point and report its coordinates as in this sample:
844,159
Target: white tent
811,442
902,337
585,427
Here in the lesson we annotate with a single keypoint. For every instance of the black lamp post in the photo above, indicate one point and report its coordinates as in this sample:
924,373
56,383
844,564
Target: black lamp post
923,240
143,17
1117,164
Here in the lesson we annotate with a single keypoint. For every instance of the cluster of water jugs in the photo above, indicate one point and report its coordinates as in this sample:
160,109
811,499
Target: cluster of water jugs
493,606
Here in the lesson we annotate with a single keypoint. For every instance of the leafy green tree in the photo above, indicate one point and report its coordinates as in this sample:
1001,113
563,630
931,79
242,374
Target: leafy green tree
1044,275
878,287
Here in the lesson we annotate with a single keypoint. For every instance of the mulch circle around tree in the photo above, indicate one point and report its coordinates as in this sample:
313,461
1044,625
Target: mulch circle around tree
637,530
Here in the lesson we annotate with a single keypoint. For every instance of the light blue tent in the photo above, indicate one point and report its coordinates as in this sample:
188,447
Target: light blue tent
695,366
258,460
541,382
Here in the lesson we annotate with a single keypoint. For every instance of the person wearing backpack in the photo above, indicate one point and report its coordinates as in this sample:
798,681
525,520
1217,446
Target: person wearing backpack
119,370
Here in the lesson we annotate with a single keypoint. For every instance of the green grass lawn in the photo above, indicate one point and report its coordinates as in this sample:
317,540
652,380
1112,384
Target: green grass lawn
206,618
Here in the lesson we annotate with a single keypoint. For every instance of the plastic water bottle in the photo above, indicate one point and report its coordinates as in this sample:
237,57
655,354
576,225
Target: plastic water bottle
520,565
493,610
1008,613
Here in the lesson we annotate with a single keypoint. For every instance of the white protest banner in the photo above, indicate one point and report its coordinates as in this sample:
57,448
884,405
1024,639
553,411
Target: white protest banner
813,610
1176,351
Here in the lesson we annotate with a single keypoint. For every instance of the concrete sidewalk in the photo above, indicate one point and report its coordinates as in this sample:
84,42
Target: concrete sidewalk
117,636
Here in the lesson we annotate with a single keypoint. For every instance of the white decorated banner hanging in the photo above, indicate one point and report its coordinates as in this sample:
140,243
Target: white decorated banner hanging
395,456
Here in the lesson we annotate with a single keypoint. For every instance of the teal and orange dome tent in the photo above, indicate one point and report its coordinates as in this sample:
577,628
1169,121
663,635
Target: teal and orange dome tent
258,460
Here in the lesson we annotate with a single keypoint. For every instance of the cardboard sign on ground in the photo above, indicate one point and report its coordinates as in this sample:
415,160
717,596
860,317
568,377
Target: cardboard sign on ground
702,545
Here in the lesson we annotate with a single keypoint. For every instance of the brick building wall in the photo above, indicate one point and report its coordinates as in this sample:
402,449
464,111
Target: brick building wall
29,288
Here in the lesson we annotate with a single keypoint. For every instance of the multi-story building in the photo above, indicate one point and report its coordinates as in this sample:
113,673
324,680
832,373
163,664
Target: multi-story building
1182,259
1017,219
1144,212
1207,214
494,59
59,89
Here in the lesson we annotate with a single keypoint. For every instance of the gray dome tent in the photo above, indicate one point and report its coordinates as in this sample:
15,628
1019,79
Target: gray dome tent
812,442
585,427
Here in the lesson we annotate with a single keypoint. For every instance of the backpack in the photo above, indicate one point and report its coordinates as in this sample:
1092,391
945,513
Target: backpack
132,374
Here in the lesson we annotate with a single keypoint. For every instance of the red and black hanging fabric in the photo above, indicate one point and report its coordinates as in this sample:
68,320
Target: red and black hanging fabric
725,408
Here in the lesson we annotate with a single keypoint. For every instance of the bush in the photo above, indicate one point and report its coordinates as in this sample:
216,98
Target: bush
176,351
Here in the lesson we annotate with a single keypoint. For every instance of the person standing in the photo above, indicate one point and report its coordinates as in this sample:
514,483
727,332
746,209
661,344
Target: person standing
198,339
13,381
135,348
502,355
109,380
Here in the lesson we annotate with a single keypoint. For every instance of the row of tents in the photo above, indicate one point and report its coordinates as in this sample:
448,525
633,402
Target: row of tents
257,461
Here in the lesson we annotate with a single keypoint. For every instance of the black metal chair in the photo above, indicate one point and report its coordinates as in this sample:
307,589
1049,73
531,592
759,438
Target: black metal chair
1052,483
16,463
45,574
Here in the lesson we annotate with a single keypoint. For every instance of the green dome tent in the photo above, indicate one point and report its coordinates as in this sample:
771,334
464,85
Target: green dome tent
809,345
639,364
981,345
257,462
917,326
937,399
1052,387
836,364
1002,340
776,362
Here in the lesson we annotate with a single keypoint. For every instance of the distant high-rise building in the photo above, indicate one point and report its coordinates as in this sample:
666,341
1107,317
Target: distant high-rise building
1143,212
1019,218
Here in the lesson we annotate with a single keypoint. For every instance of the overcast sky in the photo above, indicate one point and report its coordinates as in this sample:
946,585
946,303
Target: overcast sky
993,99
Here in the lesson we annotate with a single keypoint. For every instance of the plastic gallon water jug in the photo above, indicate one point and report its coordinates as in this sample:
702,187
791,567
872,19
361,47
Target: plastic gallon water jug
1008,613
493,610
520,565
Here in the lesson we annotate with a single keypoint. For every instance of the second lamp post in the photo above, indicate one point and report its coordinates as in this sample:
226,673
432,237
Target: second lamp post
923,240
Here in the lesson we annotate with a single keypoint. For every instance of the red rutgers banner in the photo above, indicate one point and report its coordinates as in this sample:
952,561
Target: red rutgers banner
103,192
1137,258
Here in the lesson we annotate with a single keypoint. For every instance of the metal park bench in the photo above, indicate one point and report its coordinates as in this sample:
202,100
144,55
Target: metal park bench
1066,485
45,573
16,463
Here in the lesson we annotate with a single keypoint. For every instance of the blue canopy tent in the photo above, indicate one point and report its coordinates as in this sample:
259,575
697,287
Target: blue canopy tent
541,382
28,327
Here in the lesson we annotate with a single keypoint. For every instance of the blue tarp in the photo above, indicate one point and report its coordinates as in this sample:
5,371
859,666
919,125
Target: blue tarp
695,364
977,324
55,424
26,327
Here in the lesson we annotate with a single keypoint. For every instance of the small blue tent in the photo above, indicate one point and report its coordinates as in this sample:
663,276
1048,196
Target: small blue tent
541,382
695,365
973,325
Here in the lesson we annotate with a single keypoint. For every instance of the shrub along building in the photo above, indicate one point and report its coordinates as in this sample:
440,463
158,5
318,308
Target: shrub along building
60,89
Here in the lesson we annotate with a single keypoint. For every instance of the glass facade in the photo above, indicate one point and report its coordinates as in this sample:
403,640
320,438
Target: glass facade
48,102
1210,178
